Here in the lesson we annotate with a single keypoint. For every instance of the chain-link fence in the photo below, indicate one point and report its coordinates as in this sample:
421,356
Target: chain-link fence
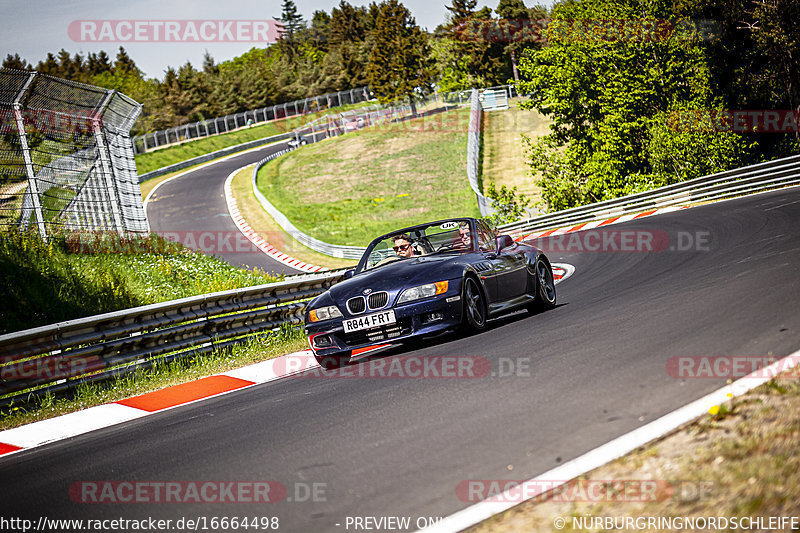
335,124
66,159
214,126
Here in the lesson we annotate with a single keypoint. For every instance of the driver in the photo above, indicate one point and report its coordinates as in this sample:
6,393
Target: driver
402,246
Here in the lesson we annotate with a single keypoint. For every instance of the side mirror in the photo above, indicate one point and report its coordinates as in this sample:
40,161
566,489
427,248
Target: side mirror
349,273
503,241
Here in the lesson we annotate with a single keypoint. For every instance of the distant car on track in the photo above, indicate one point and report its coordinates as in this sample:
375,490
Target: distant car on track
297,141
425,280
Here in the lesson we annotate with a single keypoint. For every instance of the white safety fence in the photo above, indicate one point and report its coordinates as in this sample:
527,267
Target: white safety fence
215,126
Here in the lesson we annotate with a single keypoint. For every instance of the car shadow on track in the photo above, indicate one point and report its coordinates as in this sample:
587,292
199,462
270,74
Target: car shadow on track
447,337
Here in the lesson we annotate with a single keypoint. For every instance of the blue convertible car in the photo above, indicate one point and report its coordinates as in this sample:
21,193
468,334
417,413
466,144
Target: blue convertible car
423,280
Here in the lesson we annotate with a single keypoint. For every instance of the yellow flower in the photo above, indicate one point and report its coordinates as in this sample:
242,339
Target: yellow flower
714,410
376,200
403,194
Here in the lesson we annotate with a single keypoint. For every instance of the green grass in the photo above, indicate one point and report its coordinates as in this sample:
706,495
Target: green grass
86,274
369,182
47,283
504,160
163,157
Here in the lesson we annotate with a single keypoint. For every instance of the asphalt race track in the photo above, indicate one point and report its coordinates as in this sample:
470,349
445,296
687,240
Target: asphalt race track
194,206
564,382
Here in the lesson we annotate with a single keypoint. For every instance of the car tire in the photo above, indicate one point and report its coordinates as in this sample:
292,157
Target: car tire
332,362
474,310
545,297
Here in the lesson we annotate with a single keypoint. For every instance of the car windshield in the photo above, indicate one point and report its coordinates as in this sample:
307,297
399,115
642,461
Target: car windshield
449,236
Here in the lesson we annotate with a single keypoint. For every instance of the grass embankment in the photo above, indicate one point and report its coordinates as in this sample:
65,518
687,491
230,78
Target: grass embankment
176,153
269,230
47,283
503,155
350,189
740,462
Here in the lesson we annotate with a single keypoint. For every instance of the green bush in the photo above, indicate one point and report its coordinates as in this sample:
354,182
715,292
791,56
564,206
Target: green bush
78,275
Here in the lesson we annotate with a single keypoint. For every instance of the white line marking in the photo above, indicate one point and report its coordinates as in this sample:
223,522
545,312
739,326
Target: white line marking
611,450
566,267
69,425
254,237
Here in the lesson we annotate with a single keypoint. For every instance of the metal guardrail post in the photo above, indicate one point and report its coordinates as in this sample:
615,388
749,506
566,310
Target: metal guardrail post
105,161
32,191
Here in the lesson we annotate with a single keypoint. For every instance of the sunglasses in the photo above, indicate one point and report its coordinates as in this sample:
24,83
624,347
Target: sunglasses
401,248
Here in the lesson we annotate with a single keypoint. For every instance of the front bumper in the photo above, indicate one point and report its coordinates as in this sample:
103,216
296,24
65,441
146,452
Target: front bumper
422,317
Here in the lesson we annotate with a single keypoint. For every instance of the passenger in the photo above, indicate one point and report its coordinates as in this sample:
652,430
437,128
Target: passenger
464,241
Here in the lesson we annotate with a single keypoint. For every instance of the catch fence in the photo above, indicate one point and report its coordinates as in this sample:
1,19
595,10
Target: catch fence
214,126
66,158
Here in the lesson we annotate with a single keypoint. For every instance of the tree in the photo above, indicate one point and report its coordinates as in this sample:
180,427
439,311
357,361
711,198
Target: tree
209,66
124,64
509,205
609,99
97,63
398,65
754,60
514,13
471,59
461,11
291,21
348,24
15,62
319,29
48,65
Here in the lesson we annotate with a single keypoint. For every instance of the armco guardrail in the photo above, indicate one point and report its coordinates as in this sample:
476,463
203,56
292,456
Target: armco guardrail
333,250
325,127
775,174
761,177
213,155
60,356
473,153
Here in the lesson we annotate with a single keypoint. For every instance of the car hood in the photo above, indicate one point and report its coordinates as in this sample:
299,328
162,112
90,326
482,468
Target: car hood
401,275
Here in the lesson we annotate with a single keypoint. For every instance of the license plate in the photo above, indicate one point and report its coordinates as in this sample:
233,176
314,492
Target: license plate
375,320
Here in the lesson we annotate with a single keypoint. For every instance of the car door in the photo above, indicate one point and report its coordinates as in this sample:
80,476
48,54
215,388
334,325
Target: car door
510,272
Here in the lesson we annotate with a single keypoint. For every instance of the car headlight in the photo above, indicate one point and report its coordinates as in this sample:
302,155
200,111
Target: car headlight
423,291
324,313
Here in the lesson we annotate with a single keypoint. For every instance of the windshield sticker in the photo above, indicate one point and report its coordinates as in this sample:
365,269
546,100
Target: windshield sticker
449,225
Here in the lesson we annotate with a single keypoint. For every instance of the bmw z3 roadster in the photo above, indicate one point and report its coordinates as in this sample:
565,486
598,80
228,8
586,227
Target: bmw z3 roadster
424,280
